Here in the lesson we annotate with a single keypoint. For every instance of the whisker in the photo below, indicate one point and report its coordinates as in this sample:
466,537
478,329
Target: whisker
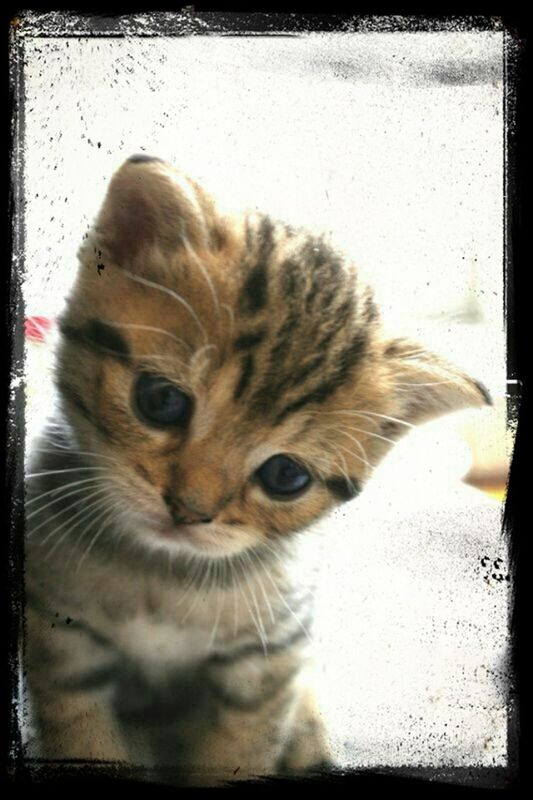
256,556
287,606
82,510
76,452
359,445
59,471
374,435
97,506
94,481
112,515
158,287
204,272
367,414
257,622
199,591
235,586
152,328
192,578
351,452
231,318
219,611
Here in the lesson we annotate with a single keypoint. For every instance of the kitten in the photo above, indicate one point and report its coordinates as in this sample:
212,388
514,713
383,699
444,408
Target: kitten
223,383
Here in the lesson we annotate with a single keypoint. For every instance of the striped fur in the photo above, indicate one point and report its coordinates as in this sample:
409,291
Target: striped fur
159,567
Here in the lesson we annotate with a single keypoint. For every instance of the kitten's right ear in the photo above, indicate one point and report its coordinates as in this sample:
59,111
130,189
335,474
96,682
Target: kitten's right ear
150,205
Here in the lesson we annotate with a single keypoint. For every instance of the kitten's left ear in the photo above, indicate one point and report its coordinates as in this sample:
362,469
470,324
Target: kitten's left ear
149,204
428,386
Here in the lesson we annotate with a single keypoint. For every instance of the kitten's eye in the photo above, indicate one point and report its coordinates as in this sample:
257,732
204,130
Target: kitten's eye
280,475
158,402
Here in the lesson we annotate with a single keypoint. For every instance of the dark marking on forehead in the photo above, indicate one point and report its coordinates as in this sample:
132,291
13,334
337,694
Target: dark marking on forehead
247,341
370,312
291,277
343,488
98,336
300,375
247,371
254,293
349,357
139,158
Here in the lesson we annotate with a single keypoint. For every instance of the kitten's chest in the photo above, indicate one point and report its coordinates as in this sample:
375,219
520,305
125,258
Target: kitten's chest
158,644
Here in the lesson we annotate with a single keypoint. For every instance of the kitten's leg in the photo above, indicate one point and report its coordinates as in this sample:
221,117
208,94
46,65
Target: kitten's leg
308,747
69,673
257,700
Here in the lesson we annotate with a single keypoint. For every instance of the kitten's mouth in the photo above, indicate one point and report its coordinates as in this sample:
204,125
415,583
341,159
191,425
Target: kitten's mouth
197,538
175,533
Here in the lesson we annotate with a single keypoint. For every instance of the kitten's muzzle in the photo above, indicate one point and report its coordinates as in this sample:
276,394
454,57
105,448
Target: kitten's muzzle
185,514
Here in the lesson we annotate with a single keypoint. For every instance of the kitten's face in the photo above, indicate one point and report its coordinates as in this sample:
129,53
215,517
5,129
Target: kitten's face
233,370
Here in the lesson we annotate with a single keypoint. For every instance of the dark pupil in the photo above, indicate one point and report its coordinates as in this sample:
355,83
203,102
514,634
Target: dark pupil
281,475
159,401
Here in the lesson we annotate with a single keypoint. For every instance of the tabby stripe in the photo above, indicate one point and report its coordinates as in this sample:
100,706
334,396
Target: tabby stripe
346,360
72,625
72,395
99,336
305,372
253,296
93,679
371,310
343,488
256,648
248,341
248,365
291,275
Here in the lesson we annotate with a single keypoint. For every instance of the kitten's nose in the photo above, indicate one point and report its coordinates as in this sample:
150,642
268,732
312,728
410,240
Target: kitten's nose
185,514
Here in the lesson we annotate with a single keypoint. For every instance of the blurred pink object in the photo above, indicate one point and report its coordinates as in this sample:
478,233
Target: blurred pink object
36,328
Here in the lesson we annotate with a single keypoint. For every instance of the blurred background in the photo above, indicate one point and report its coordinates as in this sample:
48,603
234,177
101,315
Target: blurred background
394,144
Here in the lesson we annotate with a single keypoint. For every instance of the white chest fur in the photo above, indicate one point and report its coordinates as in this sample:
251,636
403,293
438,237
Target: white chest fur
160,645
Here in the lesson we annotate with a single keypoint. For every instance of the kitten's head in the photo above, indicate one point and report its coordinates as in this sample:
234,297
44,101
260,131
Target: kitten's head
231,373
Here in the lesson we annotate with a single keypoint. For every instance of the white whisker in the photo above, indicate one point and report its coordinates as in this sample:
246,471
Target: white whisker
287,606
354,455
158,287
249,554
359,445
231,316
76,452
152,328
204,272
113,514
83,510
60,471
94,481
218,613
257,622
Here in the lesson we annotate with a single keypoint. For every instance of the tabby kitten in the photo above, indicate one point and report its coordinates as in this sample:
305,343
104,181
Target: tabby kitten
223,383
